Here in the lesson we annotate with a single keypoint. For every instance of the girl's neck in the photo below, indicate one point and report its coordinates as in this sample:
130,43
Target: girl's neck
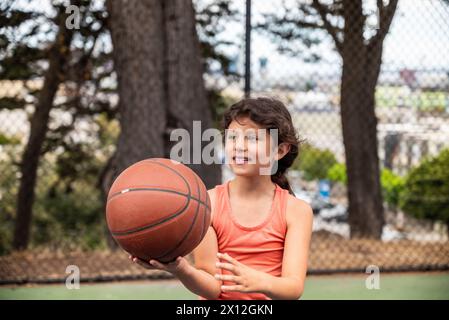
252,186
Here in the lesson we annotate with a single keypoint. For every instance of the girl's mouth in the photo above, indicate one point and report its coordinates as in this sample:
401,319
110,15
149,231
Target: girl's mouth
240,160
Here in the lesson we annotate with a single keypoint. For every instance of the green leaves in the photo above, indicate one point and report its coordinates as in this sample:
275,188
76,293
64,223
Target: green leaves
7,140
337,173
314,162
426,190
392,186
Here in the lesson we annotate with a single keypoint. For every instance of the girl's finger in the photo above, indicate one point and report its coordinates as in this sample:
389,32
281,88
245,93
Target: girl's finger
227,277
175,262
226,266
157,264
238,288
142,263
179,260
227,257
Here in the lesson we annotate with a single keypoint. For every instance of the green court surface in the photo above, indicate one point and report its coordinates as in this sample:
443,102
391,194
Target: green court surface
392,286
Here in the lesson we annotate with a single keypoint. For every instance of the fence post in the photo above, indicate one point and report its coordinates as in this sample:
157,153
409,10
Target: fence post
248,50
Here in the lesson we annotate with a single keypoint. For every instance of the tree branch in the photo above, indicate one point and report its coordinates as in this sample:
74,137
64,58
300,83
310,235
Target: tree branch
386,14
297,23
332,30
380,8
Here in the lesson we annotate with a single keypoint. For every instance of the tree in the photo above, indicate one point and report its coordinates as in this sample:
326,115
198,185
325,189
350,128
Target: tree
159,69
86,89
57,58
360,44
66,62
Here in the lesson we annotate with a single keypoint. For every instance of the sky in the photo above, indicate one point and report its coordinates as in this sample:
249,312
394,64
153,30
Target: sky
418,39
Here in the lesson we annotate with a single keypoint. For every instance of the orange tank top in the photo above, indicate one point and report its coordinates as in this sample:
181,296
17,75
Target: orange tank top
260,247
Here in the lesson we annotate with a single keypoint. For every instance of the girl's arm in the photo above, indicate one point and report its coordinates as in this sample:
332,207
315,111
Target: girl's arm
296,250
199,279
290,284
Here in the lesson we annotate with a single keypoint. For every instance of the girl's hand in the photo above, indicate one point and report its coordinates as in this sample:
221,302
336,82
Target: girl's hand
178,266
246,279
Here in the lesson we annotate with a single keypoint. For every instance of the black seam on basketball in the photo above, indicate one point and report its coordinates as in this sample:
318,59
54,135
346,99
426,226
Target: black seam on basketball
155,189
127,232
144,187
189,197
152,225
204,216
199,207
170,251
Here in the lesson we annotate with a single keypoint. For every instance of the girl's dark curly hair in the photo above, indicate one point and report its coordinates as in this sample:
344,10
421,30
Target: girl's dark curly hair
269,113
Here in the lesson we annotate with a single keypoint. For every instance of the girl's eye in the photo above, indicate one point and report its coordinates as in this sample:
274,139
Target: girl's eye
252,138
231,137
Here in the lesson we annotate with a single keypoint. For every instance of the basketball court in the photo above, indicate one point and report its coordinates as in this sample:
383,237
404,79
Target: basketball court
402,286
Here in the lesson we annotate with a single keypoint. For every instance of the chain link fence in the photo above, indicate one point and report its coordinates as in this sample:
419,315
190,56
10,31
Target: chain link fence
342,69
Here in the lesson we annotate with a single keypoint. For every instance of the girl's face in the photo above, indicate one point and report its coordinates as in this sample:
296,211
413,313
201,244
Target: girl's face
248,148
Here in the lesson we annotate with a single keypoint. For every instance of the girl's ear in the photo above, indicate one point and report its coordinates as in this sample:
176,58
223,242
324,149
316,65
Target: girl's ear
283,149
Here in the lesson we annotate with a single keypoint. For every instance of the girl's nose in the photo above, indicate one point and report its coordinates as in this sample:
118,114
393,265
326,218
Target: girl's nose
240,147
240,143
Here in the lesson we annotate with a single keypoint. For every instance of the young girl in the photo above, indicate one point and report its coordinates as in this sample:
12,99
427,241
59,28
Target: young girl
258,241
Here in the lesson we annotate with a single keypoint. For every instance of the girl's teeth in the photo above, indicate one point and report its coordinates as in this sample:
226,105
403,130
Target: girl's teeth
240,160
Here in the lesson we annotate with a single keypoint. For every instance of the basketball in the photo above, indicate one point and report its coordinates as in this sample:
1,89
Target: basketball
158,209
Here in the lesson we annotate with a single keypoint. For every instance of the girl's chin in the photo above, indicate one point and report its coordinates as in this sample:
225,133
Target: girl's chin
245,169
249,169
242,165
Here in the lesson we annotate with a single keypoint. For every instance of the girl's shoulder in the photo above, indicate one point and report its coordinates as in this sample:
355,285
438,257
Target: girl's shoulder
213,198
298,211
217,199
214,192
